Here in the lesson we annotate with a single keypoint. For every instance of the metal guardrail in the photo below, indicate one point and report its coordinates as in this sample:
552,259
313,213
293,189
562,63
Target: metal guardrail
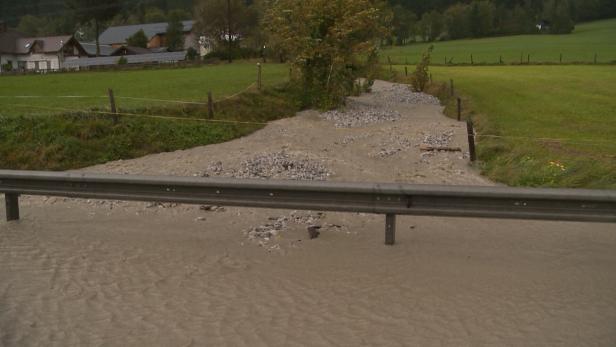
388,199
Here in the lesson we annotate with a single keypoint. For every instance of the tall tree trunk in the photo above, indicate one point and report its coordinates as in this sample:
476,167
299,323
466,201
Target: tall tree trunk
98,46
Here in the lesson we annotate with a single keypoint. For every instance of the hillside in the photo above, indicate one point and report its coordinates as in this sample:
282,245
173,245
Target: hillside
587,40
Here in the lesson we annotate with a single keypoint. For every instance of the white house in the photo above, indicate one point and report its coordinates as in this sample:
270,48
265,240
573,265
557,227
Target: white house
18,53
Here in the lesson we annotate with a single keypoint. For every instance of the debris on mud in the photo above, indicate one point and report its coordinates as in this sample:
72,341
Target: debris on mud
279,165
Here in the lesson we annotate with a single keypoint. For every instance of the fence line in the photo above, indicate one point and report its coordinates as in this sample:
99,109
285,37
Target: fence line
128,97
142,115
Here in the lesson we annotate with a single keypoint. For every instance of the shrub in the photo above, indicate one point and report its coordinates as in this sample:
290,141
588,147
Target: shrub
122,61
421,76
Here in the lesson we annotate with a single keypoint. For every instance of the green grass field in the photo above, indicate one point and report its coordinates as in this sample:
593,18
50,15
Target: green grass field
556,125
190,84
580,46
52,132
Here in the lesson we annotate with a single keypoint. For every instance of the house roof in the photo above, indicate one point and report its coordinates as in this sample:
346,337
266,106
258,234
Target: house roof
170,57
119,34
90,48
49,44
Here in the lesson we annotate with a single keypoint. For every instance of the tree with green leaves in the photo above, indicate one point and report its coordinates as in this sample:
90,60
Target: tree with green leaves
558,12
225,22
138,39
86,11
404,23
328,43
175,31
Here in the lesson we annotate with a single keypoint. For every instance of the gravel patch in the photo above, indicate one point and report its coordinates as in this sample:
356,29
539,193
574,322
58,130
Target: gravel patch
439,140
400,93
393,146
357,114
279,165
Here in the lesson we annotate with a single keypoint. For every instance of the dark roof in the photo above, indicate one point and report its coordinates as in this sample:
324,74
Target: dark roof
119,34
49,44
90,48
131,59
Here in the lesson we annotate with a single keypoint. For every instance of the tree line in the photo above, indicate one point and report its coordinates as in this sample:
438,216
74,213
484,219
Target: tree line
445,20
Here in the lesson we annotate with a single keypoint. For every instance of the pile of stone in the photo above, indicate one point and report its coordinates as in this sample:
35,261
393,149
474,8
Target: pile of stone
400,93
356,114
279,165
392,146
438,141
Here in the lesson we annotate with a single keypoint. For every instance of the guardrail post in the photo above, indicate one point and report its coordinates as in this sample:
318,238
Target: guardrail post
12,206
390,229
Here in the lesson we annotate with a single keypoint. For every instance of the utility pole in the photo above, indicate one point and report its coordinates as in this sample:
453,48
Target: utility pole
229,29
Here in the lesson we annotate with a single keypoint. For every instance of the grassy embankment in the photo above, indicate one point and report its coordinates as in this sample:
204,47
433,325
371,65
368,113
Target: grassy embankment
556,125
37,133
581,46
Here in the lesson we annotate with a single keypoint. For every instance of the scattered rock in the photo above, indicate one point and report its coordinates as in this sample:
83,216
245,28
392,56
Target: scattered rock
356,114
400,93
279,165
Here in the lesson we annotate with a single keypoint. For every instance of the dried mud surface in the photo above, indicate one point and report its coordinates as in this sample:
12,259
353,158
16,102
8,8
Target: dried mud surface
85,272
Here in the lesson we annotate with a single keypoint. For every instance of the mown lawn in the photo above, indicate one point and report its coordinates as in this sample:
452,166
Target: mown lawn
189,84
580,46
554,125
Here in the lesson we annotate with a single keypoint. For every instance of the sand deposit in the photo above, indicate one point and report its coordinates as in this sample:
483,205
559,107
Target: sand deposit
86,272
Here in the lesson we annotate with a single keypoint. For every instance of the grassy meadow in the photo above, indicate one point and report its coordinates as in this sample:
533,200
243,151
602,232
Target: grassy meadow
187,84
38,133
551,126
580,46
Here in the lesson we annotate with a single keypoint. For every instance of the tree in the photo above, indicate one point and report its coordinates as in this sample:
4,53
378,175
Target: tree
93,10
482,18
154,15
558,12
431,25
139,39
175,31
404,22
225,22
328,43
30,25
457,21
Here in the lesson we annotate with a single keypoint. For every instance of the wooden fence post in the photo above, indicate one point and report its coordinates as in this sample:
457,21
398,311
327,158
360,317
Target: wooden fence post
471,139
472,60
259,76
210,106
430,77
112,106
500,59
406,71
459,109
451,87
